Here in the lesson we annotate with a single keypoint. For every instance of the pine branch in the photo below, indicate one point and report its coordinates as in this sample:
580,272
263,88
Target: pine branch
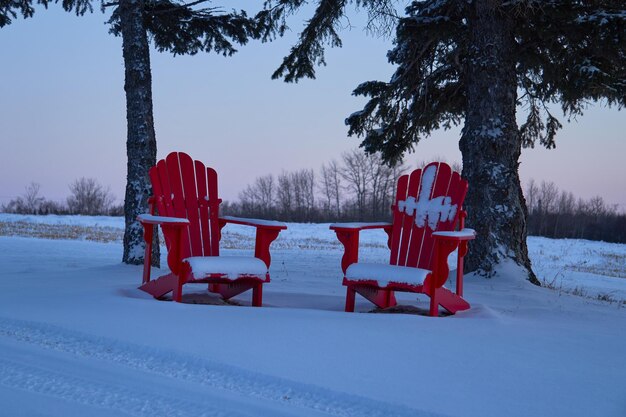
188,6
10,9
182,30
309,51
322,30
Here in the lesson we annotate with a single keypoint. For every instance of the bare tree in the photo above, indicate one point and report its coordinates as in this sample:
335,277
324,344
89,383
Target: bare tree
548,194
304,193
32,199
567,202
265,190
532,194
248,201
284,195
357,175
562,216
28,203
330,186
383,185
89,197
564,207
295,196
596,207
371,182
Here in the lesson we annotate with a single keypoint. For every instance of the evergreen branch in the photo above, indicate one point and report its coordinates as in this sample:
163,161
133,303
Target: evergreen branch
427,90
309,50
321,30
80,7
182,30
272,19
10,9
382,16
176,7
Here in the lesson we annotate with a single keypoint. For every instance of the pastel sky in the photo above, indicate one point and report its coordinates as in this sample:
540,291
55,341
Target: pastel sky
62,113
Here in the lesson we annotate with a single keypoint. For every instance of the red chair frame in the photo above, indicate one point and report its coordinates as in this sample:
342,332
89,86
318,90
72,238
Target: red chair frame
416,239
185,196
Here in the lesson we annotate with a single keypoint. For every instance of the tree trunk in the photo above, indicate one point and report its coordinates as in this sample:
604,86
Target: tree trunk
491,145
141,141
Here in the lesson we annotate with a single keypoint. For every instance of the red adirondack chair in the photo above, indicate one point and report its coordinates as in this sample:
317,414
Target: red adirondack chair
426,213
185,196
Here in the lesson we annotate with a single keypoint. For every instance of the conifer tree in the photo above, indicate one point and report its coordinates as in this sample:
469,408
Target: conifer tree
475,62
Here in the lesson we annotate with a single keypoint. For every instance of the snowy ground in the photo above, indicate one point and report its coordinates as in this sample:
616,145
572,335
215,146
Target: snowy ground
78,339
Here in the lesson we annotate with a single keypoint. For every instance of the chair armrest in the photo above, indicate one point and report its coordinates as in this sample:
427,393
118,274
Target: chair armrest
465,234
266,232
446,243
162,220
266,224
151,219
348,235
359,226
172,228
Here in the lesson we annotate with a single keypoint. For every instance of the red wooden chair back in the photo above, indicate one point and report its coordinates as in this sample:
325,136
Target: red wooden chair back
427,200
186,188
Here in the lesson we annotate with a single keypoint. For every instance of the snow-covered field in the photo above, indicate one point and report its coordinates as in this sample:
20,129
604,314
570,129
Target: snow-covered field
78,339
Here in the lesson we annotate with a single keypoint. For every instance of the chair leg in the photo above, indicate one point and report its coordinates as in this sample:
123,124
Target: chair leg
257,295
350,296
434,306
390,299
177,293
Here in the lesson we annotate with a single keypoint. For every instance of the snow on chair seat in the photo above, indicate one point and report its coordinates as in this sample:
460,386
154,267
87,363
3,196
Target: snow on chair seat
385,274
230,267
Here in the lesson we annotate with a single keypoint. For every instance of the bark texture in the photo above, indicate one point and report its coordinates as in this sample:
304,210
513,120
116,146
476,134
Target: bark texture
491,144
141,141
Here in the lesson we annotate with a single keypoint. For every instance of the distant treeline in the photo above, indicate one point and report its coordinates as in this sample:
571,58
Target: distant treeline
559,214
87,197
361,188
355,188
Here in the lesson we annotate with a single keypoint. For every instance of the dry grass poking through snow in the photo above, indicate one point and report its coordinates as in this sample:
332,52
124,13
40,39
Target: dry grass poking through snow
581,291
231,239
61,231
605,263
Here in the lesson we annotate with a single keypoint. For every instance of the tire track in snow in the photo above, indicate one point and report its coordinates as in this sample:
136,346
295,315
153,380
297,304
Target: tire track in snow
197,370
79,390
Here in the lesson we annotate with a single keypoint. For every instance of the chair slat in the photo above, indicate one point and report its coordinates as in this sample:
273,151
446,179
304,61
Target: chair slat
424,193
440,189
164,199
458,190
407,219
177,195
190,191
165,207
403,182
203,210
213,211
